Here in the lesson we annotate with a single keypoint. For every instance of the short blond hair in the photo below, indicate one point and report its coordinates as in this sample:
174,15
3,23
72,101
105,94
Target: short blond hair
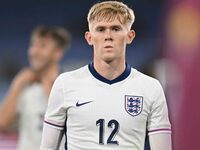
109,10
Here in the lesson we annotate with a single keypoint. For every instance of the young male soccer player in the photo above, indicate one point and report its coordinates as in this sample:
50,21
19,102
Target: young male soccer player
107,104
26,100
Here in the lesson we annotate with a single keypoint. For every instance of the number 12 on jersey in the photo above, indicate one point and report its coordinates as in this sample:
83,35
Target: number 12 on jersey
111,124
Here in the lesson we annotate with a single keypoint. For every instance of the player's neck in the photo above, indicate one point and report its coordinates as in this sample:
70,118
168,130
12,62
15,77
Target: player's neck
50,73
110,70
48,76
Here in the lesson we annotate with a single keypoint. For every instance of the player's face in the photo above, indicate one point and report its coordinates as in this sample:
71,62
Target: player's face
109,39
43,52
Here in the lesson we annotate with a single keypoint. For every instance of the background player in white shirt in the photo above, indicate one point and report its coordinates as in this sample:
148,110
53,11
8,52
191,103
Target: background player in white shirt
27,97
107,104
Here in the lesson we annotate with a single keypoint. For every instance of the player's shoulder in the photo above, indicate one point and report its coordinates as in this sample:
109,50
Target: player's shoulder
145,80
32,88
149,86
79,73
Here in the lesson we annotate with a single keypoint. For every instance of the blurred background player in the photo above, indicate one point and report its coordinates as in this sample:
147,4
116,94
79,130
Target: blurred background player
26,100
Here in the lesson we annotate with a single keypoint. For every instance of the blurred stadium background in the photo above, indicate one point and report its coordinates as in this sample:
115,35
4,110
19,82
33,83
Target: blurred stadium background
167,46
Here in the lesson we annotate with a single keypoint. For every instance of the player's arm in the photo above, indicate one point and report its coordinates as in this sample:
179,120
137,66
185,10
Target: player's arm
52,143
161,141
55,117
159,128
8,108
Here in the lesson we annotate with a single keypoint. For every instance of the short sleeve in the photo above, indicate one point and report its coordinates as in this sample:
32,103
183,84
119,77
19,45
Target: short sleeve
158,120
56,111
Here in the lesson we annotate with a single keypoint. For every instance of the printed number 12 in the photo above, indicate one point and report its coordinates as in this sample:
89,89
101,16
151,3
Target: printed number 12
111,124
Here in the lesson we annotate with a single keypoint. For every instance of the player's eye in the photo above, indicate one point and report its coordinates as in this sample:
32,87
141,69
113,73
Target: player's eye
100,29
116,28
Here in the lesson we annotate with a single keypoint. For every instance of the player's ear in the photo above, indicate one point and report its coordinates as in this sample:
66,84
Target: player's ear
88,37
59,54
130,36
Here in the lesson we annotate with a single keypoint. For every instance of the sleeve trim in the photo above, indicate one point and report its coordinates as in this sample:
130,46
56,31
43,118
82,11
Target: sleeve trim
160,130
53,124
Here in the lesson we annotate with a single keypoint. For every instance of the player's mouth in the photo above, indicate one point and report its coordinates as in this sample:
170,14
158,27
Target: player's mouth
108,46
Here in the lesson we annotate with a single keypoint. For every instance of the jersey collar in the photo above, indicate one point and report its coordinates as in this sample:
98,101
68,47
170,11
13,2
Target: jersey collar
123,76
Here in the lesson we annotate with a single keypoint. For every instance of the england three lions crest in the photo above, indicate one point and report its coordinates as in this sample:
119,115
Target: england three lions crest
133,104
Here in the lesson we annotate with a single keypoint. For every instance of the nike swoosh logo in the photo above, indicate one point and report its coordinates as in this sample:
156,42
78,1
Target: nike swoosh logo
80,104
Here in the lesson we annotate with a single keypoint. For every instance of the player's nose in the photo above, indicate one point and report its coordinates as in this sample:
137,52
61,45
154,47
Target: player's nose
33,50
108,36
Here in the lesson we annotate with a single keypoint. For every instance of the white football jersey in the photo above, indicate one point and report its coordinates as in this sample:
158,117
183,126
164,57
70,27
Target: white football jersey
32,105
31,108
102,114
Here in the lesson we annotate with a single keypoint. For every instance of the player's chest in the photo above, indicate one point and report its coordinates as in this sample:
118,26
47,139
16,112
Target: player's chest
34,103
125,105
